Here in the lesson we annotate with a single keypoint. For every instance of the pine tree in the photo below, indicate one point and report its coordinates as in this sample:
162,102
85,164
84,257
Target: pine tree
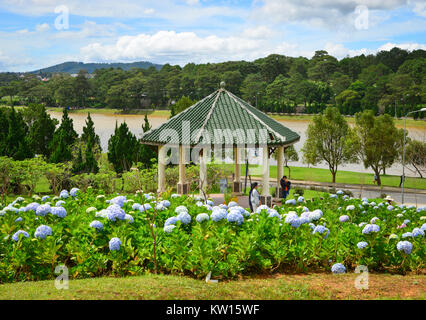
63,140
89,133
17,146
62,151
122,148
146,153
90,165
42,128
78,163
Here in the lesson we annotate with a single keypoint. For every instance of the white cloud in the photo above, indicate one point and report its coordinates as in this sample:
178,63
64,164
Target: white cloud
405,46
42,27
173,47
335,14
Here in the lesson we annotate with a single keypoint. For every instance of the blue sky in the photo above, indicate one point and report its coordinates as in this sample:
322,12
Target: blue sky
179,32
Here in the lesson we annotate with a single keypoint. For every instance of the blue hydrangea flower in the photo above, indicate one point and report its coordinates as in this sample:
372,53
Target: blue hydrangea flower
219,215
45,198
333,196
60,203
175,195
291,202
369,228
235,216
301,199
274,214
42,232
263,207
390,208
64,194
184,217
344,218
362,245
232,204
114,244
404,246
417,232
407,235
15,237
210,203
43,210
315,215
18,219
170,221
145,207
423,227
169,228
202,217
120,201
74,192
97,225
20,199
199,204
23,209
60,212
373,220
129,218
338,268
321,230
114,213
345,197
181,209
166,203
136,207
33,206
406,221
350,207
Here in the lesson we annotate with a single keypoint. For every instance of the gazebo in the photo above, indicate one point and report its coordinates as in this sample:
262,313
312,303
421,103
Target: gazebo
217,122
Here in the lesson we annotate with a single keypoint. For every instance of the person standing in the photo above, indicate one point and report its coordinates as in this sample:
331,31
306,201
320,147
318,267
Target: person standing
254,197
285,186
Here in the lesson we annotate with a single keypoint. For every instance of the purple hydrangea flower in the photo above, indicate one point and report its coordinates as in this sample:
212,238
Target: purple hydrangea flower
338,268
43,231
404,246
60,212
97,225
114,244
15,237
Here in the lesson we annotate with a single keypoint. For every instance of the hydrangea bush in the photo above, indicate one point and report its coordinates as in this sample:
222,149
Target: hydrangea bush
100,235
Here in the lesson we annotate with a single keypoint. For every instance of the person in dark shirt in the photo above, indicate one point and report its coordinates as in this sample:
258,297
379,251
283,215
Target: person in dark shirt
285,186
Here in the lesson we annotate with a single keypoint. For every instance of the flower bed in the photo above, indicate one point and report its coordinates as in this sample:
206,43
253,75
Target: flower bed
94,235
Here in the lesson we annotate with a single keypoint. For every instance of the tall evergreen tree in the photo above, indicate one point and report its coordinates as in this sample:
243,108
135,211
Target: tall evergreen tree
17,146
63,140
89,133
122,148
41,128
146,153
90,165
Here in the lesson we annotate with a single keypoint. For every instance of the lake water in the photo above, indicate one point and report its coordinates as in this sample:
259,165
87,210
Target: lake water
105,125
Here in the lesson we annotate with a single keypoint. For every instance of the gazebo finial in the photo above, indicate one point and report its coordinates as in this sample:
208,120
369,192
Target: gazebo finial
223,85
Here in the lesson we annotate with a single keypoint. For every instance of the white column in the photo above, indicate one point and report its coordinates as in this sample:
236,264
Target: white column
161,169
203,170
280,167
182,167
265,187
237,160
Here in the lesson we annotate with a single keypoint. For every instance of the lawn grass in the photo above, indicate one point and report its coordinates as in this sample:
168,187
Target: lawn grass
272,287
324,175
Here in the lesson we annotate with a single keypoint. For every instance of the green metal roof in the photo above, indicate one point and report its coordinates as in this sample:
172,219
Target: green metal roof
221,114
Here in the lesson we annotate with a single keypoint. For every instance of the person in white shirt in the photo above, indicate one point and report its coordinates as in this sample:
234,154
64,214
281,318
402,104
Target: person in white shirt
254,197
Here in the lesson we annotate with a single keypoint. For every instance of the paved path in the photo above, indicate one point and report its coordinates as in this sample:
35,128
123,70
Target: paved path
415,197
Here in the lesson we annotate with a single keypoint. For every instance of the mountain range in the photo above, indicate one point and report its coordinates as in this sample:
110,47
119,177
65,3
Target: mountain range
74,67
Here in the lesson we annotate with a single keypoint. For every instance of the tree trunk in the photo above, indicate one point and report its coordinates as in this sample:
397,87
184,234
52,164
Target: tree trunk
379,180
333,173
289,172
